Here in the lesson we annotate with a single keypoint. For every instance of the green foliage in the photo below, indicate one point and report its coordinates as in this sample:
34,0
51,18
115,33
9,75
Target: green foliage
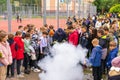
115,9
2,1
105,5
3,5
29,2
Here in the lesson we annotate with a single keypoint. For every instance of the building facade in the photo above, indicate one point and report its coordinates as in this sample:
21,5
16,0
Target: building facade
86,7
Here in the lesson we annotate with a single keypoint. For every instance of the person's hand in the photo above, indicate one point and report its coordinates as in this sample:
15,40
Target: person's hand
84,62
10,63
41,52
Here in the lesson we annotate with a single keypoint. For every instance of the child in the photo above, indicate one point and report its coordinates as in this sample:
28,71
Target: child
103,42
51,32
43,44
33,63
26,53
95,59
29,54
112,54
73,37
114,73
13,48
6,56
83,39
20,51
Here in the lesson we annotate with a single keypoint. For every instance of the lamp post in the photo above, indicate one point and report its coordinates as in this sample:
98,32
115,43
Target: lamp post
79,8
9,13
57,14
44,12
90,8
67,8
74,6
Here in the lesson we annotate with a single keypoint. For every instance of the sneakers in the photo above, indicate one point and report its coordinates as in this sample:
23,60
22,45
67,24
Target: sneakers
26,71
36,70
22,73
32,68
20,76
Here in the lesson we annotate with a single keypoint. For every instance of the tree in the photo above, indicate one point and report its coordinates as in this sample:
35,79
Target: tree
115,9
3,2
104,5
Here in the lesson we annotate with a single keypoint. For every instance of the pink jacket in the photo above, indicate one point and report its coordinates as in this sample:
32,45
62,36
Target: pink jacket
6,54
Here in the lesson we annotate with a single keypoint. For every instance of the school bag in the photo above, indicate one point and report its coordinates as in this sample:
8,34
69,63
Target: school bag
51,32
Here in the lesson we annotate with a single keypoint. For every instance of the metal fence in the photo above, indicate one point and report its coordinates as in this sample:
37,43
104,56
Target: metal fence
82,9
55,9
27,11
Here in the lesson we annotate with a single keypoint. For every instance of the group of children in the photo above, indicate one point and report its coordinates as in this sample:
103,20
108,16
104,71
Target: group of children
29,45
96,61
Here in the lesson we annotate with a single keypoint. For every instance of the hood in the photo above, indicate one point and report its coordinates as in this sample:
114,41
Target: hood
17,38
99,47
10,41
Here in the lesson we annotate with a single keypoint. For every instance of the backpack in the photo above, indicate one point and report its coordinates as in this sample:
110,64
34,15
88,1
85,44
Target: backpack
51,32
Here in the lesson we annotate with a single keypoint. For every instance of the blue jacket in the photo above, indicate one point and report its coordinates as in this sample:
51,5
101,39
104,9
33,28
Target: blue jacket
95,58
112,54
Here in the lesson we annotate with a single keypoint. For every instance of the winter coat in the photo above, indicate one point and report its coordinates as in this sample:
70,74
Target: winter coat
95,58
112,54
59,35
6,54
73,38
83,40
20,49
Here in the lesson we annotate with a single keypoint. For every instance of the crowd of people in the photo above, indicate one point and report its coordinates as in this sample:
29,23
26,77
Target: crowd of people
28,45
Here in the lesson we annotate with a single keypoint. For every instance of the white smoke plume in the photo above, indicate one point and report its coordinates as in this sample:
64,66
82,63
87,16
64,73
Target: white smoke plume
64,65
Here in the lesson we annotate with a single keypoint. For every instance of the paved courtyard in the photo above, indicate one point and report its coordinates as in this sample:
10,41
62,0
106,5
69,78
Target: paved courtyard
38,22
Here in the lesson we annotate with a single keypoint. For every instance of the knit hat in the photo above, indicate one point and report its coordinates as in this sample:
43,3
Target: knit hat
115,69
116,62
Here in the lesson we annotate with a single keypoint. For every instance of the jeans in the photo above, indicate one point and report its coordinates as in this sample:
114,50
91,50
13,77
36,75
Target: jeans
11,68
18,66
97,73
26,61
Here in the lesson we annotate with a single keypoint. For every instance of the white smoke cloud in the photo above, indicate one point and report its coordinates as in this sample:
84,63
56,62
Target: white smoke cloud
64,65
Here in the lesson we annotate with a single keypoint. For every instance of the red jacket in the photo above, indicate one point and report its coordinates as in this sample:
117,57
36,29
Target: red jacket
20,48
73,38
13,50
